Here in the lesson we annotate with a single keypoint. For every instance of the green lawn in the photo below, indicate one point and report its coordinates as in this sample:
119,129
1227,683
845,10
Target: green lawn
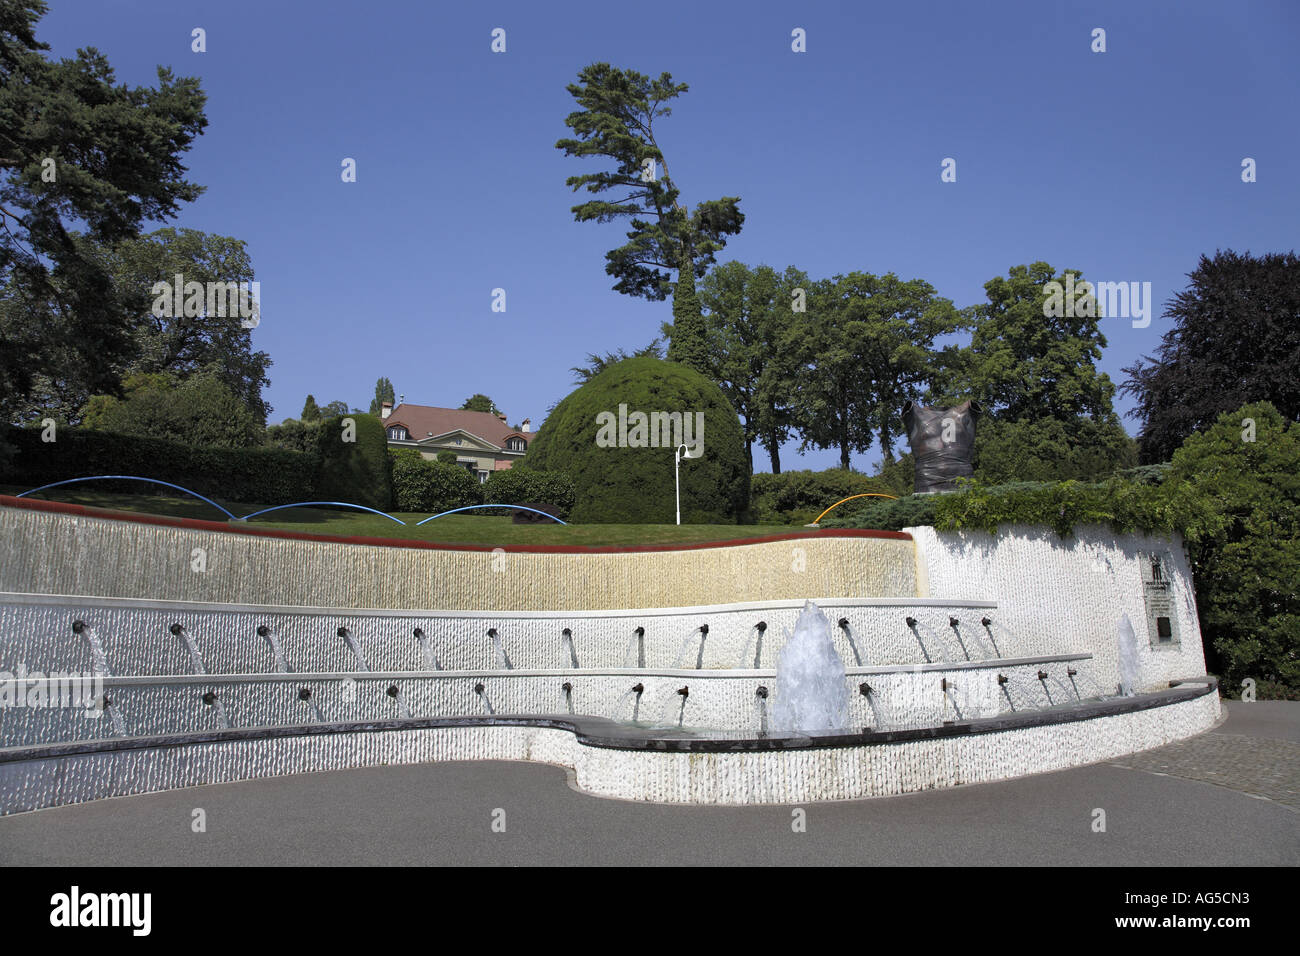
453,529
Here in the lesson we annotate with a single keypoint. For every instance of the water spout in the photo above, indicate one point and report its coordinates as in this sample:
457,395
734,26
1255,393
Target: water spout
912,626
196,658
304,695
431,662
956,629
877,711
346,634
1128,658
499,655
100,666
212,700
395,693
848,633
566,638
281,664
487,701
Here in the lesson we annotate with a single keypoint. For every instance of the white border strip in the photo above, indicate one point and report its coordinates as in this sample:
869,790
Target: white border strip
74,600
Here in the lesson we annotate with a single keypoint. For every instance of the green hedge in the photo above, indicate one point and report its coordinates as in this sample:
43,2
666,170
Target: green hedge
1123,505
357,471
797,497
517,486
421,485
269,476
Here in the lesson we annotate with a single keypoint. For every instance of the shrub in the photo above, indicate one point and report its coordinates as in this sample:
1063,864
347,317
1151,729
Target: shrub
517,486
200,411
1051,450
444,456
797,497
635,485
431,486
1244,541
294,435
359,471
268,476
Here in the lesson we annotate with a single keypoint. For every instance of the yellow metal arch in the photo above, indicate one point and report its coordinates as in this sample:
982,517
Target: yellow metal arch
818,519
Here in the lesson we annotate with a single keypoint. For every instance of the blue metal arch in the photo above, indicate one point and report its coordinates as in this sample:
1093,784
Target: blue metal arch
511,507
340,504
152,481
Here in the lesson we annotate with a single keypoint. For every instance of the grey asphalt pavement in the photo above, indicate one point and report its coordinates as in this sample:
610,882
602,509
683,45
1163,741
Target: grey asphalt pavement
1225,797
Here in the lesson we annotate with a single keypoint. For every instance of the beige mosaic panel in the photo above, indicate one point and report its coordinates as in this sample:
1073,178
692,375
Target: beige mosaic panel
46,553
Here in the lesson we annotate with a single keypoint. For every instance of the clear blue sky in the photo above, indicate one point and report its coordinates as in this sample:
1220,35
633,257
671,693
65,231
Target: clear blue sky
1125,165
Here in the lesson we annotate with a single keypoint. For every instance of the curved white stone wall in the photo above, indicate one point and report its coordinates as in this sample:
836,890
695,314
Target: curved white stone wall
781,776
1054,592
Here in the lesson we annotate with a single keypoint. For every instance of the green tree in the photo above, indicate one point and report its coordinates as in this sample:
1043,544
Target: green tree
1241,479
310,410
865,347
1024,363
480,403
1031,364
77,147
616,122
383,393
335,408
1235,339
748,313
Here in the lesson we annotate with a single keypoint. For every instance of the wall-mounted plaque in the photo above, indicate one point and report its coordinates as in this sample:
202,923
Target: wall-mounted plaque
1158,596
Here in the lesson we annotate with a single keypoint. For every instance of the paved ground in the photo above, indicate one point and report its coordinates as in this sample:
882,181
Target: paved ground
1224,797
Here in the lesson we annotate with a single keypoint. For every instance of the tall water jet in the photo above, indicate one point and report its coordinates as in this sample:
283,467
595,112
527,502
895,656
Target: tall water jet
1128,658
812,691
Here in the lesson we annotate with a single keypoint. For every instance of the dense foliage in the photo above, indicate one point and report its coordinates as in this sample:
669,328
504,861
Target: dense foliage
798,497
268,476
357,471
199,410
1244,537
518,486
81,150
421,485
1051,450
1235,339
635,485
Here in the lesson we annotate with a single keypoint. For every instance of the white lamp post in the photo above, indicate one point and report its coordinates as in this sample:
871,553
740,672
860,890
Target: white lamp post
681,452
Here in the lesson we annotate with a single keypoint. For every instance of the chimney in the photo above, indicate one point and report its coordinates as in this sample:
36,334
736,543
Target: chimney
502,416
525,425
401,399
385,409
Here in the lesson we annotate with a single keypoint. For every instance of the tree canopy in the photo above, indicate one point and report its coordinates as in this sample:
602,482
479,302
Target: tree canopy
616,122
77,146
1235,339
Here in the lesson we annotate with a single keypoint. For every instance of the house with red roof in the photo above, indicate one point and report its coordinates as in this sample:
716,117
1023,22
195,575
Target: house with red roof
482,441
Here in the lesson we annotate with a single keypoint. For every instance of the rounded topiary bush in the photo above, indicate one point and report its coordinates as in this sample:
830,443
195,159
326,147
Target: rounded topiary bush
433,486
632,482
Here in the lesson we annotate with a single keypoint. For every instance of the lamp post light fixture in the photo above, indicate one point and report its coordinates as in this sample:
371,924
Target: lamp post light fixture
681,452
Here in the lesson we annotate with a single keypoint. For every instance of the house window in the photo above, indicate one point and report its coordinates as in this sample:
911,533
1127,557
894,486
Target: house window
515,444
400,434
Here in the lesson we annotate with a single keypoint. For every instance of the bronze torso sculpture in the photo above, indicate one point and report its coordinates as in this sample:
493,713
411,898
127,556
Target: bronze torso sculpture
943,443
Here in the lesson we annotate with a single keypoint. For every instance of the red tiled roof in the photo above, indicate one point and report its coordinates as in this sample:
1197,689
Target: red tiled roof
420,420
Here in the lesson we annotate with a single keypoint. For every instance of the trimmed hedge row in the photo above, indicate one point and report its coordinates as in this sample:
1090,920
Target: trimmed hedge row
797,497
354,461
269,476
518,486
1123,505
421,485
